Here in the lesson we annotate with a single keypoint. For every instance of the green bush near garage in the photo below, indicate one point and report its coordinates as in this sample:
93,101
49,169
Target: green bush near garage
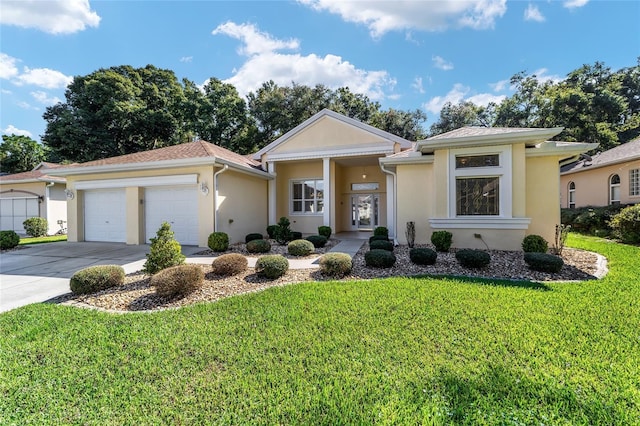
96,278
8,240
36,226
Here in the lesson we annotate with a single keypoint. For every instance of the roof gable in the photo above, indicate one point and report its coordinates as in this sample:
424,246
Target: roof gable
625,152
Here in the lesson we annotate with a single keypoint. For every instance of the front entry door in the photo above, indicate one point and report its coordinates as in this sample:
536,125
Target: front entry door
364,211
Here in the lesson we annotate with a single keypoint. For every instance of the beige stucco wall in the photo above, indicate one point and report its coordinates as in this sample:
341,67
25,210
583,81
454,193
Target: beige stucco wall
416,195
543,191
56,206
592,185
287,171
242,205
353,174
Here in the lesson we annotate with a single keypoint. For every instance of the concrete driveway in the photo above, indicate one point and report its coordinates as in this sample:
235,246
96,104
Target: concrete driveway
37,273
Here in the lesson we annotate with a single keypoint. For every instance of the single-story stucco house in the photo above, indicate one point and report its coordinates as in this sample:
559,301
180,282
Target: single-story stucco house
609,177
32,194
501,183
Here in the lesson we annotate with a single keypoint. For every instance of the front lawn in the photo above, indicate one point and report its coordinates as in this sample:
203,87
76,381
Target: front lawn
388,351
42,240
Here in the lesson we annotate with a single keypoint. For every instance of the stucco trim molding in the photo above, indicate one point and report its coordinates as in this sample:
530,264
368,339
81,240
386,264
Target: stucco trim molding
190,179
480,223
351,152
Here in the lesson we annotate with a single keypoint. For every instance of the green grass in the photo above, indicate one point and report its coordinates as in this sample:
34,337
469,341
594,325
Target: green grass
42,240
393,351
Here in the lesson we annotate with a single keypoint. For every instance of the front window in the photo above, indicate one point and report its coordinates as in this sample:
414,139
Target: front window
478,196
634,182
477,181
572,195
614,189
307,196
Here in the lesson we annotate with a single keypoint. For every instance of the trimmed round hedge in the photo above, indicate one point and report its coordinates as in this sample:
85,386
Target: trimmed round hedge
543,262
423,256
179,280
379,258
229,264
218,241
442,240
336,264
272,266
378,238
300,248
252,236
36,226
534,244
96,278
8,240
258,246
470,258
381,245
318,241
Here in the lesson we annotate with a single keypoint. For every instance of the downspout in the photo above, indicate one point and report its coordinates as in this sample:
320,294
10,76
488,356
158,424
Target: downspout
215,196
394,203
47,194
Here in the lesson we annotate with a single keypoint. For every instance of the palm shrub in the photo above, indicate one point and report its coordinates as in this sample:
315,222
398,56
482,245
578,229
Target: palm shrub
218,241
473,258
381,244
252,236
626,224
8,240
300,248
336,264
534,244
423,256
96,278
271,231
282,232
229,264
272,266
318,241
179,280
442,240
378,258
36,226
410,233
381,230
165,251
544,262
258,246
325,231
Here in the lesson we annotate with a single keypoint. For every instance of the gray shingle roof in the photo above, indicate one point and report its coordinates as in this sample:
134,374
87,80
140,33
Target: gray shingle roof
625,152
479,131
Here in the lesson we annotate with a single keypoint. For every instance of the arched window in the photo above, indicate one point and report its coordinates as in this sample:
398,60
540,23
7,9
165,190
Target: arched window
614,189
572,195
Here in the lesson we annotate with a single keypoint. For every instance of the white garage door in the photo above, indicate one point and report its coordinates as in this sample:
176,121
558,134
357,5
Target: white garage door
105,215
176,205
14,211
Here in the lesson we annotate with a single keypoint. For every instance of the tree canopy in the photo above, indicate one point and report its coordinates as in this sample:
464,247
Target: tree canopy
20,154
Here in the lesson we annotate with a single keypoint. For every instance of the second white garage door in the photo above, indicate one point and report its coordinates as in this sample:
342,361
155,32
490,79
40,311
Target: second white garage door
105,215
176,205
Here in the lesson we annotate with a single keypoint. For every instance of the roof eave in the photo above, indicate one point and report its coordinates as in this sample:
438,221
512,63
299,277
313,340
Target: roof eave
599,166
550,148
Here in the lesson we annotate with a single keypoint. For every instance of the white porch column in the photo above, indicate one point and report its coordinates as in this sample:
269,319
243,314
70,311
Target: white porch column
271,186
391,210
328,193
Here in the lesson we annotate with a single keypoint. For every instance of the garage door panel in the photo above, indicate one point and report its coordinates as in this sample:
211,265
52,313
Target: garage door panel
14,211
105,216
176,205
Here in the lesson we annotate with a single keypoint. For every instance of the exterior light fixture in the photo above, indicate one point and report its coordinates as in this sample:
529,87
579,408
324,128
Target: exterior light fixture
69,193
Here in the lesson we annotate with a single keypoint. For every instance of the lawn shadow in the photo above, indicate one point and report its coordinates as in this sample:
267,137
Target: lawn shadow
496,282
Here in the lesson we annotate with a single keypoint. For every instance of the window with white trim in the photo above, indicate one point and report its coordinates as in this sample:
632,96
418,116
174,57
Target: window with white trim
572,195
634,182
614,189
307,196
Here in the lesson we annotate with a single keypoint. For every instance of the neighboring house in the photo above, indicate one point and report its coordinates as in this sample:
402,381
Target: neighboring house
609,177
330,170
32,194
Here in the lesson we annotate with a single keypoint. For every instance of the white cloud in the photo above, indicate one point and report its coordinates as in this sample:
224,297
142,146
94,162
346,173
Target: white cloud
441,63
186,59
43,98
43,77
13,130
458,94
384,16
543,77
8,67
6,92
26,105
572,4
52,16
499,86
417,85
532,13
265,63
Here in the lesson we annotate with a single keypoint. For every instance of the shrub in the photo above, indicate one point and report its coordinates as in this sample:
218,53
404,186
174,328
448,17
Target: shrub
8,240
283,231
325,231
179,280
218,241
590,219
96,278
378,238
534,244
271,231
379,258
336,264
423,256
626,224
318,241
295,235
381,230
410,233
562,232
165,251
300,248
272,266
473,258
258,246
230,264
442,240
252,236
36,226
381,245
543,262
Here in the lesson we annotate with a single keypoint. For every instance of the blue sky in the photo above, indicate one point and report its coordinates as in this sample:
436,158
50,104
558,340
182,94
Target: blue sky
406,55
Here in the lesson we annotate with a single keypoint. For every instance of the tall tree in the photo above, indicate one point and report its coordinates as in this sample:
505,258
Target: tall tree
465,113
406,124
20,153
